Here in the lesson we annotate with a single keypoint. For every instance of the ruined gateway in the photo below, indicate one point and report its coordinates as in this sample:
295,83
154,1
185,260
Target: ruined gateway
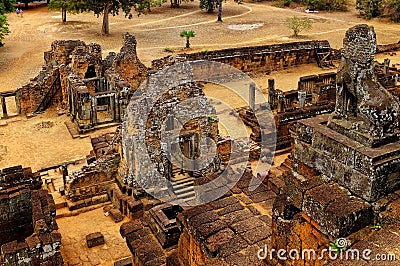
339,180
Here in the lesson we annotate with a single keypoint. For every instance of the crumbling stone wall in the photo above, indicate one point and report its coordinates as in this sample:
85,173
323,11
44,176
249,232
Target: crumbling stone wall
127,63
18,176
93,180
265,58
28,229
42,88
16,214
60,52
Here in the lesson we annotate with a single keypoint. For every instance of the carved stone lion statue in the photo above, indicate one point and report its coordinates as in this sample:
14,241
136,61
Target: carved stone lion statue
360,99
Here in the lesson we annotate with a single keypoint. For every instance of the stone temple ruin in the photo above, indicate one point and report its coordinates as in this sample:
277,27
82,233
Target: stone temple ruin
28,227
75,79
338,180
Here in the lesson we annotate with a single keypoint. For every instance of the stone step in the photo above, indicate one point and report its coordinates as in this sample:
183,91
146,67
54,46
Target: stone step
182,181
178,178
183,184
187,195
72,129
183,190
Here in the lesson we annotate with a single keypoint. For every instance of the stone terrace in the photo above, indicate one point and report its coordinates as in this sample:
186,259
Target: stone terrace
229,230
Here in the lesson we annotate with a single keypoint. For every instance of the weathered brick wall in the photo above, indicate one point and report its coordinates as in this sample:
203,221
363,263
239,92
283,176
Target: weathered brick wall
17,176
41,249
15,214
189,251
257,58
28,229
60,51
299,234
32,94
127,63
93,180
144,247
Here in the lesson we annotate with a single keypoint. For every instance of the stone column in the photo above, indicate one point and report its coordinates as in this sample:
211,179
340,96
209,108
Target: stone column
252,95
4,107
302,98
112,107
386,65
64,172
93,117
271,92
281,103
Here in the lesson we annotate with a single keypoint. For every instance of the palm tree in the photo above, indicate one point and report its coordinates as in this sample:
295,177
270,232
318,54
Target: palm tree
188,34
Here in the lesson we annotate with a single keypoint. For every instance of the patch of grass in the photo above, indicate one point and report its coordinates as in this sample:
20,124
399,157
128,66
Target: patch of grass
168,50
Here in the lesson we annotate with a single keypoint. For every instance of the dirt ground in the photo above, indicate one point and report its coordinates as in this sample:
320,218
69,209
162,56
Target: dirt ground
44,140
22,56
74,230
41,141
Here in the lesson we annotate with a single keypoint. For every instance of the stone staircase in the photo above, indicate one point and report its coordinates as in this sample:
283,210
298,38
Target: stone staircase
182,186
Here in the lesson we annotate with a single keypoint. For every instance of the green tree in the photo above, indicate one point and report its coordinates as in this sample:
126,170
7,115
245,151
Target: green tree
369,8
107,7
209,5
65,6
298,24
391,9
330,5
177,3
188,34
6,6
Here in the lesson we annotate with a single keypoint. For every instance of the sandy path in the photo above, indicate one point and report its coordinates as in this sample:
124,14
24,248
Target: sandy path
22,57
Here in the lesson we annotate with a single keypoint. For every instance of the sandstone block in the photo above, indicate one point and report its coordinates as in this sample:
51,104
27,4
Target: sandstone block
94,239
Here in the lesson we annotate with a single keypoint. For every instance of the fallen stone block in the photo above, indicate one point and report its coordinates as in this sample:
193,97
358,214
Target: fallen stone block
94,239
116,215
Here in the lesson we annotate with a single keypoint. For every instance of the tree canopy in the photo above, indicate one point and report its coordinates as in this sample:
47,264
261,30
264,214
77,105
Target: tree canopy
6,6
369,8
104,8
297,24
66,6
379,8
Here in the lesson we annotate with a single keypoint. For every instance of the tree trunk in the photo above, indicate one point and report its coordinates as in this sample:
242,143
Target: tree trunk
26,3
106,27
64,15
220,11
210,7
174,3
187,43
